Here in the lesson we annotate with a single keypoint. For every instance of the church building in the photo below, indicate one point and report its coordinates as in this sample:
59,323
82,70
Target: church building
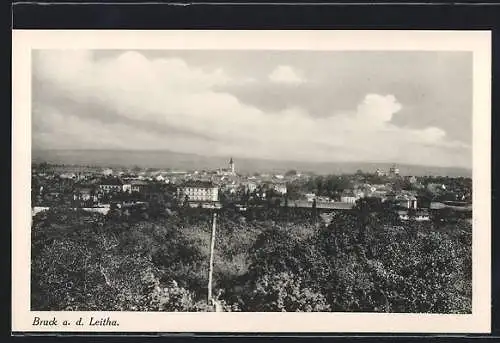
230,171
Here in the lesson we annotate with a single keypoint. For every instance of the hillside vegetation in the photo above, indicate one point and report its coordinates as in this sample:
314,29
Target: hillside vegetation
265,260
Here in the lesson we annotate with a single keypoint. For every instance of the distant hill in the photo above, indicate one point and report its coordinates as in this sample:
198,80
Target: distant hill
181,161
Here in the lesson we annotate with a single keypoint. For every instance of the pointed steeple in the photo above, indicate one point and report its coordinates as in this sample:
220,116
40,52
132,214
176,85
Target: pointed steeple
231,165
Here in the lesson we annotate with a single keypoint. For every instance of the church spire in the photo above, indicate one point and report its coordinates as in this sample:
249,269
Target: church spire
231,165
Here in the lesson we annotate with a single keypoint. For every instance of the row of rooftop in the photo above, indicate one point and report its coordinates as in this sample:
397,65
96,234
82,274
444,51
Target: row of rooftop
197,183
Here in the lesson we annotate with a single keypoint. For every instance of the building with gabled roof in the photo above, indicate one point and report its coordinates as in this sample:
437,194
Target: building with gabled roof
108,185
349,197
199,191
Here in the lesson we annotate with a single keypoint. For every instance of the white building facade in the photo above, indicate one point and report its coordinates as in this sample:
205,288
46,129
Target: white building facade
198,191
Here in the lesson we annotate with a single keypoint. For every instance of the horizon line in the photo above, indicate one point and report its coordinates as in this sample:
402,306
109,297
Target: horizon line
259,158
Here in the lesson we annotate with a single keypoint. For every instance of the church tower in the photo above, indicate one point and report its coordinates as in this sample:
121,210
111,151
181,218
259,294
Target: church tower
231,166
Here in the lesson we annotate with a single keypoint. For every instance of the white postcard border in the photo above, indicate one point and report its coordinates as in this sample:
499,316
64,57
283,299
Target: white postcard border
479,42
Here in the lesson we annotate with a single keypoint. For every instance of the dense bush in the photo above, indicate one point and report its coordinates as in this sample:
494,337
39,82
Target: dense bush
265,260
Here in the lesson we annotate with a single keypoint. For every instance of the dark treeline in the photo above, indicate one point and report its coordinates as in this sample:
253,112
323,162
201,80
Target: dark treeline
278,259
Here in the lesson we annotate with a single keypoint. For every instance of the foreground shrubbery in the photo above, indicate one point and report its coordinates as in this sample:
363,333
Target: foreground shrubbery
268,261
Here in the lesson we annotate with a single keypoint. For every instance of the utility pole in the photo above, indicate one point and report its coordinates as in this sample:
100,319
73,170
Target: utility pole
210,271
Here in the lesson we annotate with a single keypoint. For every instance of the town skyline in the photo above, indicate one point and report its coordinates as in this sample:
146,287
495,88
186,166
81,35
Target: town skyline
123,159
317,107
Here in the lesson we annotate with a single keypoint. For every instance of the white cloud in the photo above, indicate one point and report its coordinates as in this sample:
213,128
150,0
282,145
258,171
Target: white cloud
285,75
172,93
377,109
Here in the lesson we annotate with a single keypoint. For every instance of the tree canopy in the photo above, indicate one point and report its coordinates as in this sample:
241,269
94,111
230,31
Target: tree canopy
265,260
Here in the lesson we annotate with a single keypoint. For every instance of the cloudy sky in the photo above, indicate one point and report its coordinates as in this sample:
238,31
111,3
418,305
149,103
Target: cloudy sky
398,107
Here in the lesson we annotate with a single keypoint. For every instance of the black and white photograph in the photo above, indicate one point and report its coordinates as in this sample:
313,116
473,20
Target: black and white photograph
251,180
